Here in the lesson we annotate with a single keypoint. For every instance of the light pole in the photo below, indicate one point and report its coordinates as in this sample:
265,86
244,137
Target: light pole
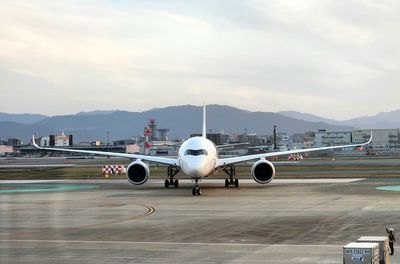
108,141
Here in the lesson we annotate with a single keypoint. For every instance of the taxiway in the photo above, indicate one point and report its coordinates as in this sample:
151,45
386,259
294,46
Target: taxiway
288,221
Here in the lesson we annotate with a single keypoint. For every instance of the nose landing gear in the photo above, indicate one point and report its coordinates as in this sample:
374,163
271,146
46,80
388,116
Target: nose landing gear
196,190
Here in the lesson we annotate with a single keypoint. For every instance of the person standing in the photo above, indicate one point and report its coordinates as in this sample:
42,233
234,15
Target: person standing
392,239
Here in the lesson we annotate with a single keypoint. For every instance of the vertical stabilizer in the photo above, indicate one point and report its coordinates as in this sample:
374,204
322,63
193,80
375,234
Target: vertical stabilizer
204,134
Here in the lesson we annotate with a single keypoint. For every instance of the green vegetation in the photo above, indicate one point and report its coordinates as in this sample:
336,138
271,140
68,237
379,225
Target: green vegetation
294,170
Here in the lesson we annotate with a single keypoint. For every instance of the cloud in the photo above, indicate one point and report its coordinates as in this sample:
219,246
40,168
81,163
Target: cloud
311,56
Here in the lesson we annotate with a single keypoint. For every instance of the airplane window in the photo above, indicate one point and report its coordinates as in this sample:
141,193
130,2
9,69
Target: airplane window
196,152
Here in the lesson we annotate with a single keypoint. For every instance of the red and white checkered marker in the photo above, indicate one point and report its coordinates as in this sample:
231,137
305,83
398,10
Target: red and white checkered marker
295,157
113,169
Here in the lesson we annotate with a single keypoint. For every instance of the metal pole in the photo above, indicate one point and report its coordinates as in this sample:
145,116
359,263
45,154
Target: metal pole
108,141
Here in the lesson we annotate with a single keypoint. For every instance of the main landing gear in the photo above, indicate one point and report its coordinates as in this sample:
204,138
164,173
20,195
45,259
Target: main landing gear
231,171
172,171
196,190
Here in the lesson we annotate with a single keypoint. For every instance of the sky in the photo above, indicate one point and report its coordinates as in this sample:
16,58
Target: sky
334,58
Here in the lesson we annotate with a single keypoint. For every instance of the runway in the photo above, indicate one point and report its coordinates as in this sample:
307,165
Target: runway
288,221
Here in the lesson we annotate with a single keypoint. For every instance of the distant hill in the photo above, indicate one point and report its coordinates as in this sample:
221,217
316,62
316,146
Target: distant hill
310,117
23,131
381,120
97,112
21,118
181,120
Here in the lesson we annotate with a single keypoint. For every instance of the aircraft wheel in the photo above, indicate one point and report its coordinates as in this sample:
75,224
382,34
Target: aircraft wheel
236,183
194,191
226,182
198,191
176,183
166,183
231,181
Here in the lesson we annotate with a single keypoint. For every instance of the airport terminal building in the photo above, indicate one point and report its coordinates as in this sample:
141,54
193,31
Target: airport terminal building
382,138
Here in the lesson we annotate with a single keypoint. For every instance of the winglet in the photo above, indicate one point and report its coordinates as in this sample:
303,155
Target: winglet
204,134
34,141
370,140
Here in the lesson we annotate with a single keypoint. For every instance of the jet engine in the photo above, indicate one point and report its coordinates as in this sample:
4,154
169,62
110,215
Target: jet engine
138,172
263,171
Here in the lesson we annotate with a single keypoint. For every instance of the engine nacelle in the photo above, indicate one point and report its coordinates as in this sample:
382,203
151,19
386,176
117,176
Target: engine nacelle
138,172
263,171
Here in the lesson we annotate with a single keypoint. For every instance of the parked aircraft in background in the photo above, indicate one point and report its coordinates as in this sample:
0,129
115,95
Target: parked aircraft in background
198,158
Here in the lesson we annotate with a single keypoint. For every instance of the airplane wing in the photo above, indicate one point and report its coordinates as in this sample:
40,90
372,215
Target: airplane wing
227,161
231,145
162,160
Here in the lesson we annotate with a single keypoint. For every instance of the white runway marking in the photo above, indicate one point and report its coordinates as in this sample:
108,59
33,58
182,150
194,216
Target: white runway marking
188,181
276,181
158,243
27,181
27,166
320,180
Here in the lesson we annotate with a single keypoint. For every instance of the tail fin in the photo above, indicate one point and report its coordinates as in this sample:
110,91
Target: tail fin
204,134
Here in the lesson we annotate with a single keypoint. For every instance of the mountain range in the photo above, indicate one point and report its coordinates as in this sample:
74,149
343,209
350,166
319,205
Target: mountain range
181,120
21,118
382,120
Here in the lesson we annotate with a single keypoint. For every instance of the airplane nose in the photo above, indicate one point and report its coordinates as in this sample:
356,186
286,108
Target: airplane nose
197,168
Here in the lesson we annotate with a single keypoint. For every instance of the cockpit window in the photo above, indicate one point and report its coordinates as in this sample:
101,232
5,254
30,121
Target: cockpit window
196,152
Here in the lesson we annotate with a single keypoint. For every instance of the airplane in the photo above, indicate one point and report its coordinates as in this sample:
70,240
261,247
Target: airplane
198,158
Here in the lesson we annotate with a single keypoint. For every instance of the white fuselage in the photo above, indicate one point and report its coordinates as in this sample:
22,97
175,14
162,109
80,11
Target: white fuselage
197,157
